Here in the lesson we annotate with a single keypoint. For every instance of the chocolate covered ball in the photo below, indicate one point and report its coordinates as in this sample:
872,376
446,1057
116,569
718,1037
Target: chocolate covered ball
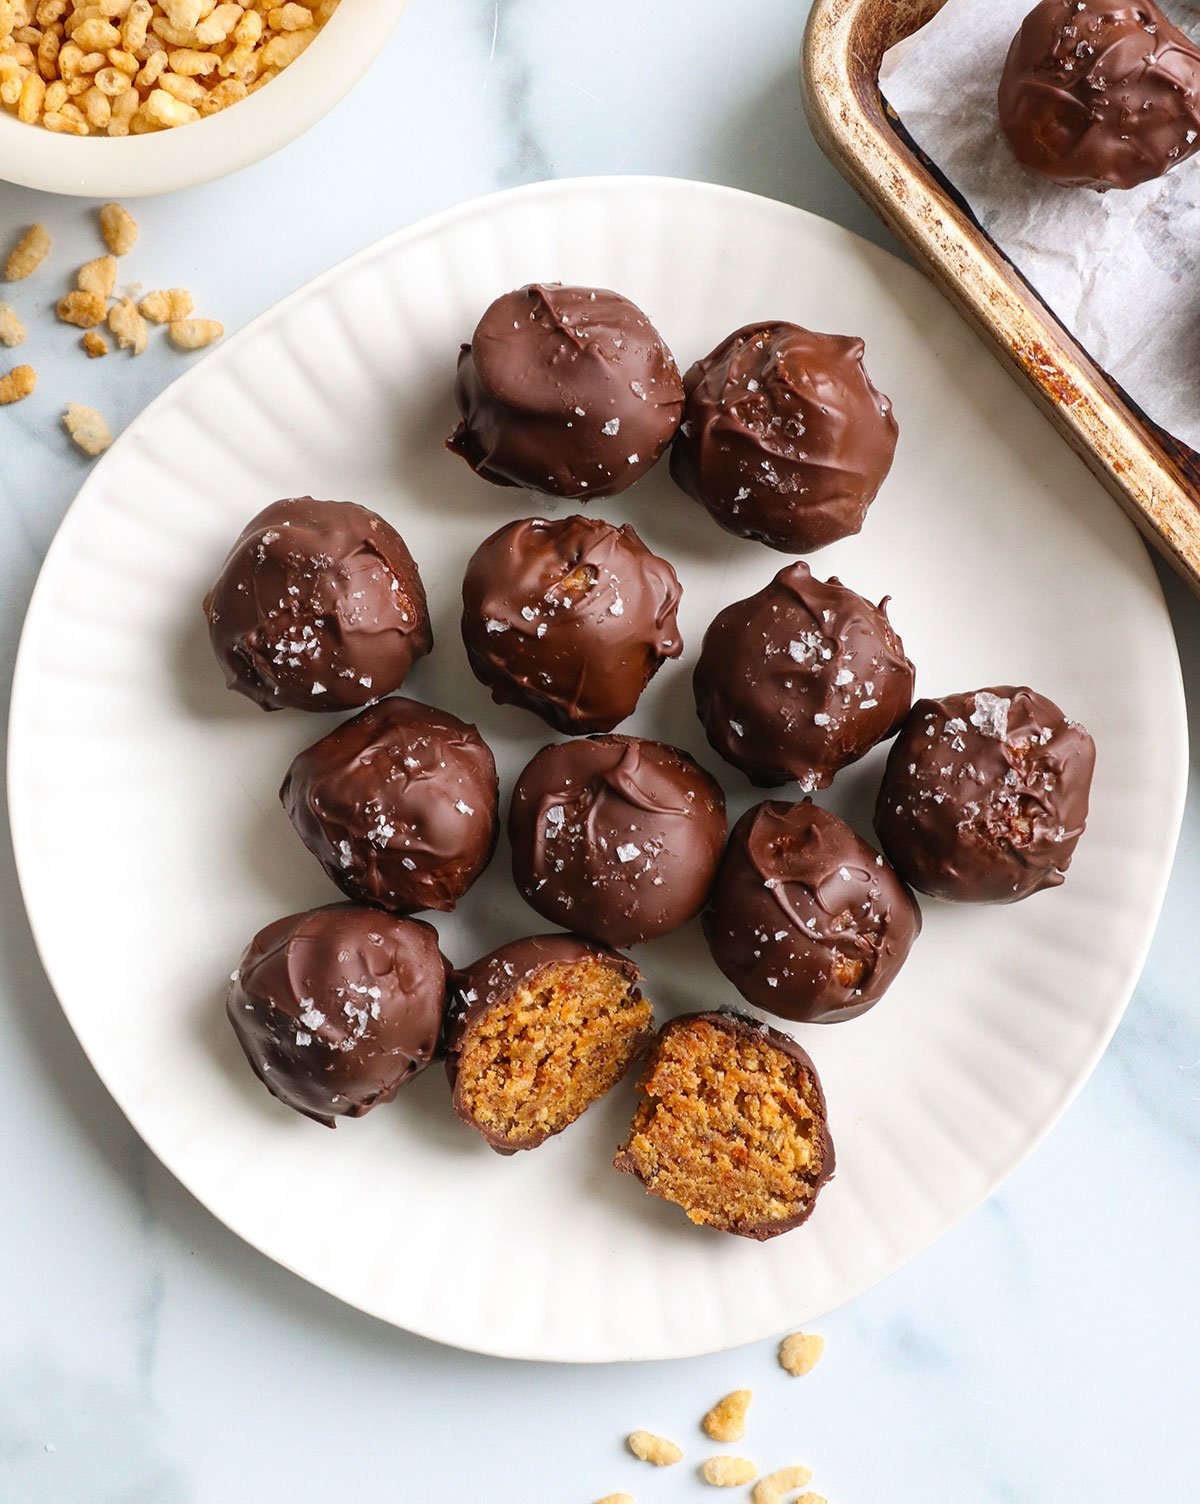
1100,95
337,1008
570,619
805,919
399,805
985,795
566,390
616,837
800,679
539,1030
732,1126
319,606
784,438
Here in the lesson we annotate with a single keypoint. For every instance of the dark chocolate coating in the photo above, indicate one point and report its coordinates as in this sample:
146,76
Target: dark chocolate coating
337,1008
399,805
493,979
784,438
616,836
570,619
805,919
319,606
1100,95
985,795
801,679
740,1026
566,390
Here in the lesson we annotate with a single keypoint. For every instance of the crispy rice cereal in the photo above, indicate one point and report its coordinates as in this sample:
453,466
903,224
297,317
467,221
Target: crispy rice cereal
88,429
12,331
800,1353
95,344
128,326
728,1472
654,1449
726,1421
194,334
118,226
34,246
17,385
127,67
773,1488
168,307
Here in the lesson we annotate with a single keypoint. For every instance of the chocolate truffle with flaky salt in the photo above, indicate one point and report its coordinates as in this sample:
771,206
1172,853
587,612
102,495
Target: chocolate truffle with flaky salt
801,679
616,837
338,1007
985,795
398,804
566,390
569,618
805,919
1100,95
319,606
784,438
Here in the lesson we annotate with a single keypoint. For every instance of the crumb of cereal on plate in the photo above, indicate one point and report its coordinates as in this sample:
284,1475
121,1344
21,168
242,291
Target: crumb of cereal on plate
128,326
98,276
83,309
169,306
654,1449
194,334
726,1421
772,1488
728,1472
95,344
800,1353
12,331
20,383
87,428
28,254
119,228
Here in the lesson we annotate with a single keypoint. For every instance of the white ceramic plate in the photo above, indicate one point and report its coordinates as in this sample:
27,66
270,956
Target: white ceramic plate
152,845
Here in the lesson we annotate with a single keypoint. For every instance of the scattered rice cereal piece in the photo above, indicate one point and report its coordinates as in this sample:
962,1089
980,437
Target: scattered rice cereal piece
811,1498
726,1421
119,228
95,344
800,1353
99,276
771,1489
20,383
194,334
728,1472
167,307
12,331
28,254
83,309
654,1449
128,325
88,429
616,1499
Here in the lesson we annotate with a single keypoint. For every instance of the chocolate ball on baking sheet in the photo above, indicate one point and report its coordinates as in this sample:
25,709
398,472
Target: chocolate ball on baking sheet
798,680
319,606
569,618
732,1127
784,438
1100,95
566,390
539,1030
616,836
985,795
399,805
336,1008
805,919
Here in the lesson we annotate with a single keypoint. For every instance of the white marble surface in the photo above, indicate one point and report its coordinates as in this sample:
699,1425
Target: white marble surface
1043,1353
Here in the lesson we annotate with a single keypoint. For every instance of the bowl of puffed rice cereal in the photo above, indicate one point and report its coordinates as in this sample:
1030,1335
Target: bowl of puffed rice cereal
116,98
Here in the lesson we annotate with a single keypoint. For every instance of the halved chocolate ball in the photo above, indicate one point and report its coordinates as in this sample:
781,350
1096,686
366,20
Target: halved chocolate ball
1100,95
566,390
319,606
801,679
985,795
616,836
538,1031
336,1008
399,805
732,1126
569,618
805,919
784,438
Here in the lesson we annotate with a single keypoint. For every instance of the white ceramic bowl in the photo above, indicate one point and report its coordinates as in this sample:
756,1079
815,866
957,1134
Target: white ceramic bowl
97,167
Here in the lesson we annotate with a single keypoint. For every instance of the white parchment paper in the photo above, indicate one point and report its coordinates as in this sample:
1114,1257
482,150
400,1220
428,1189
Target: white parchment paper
1121,269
